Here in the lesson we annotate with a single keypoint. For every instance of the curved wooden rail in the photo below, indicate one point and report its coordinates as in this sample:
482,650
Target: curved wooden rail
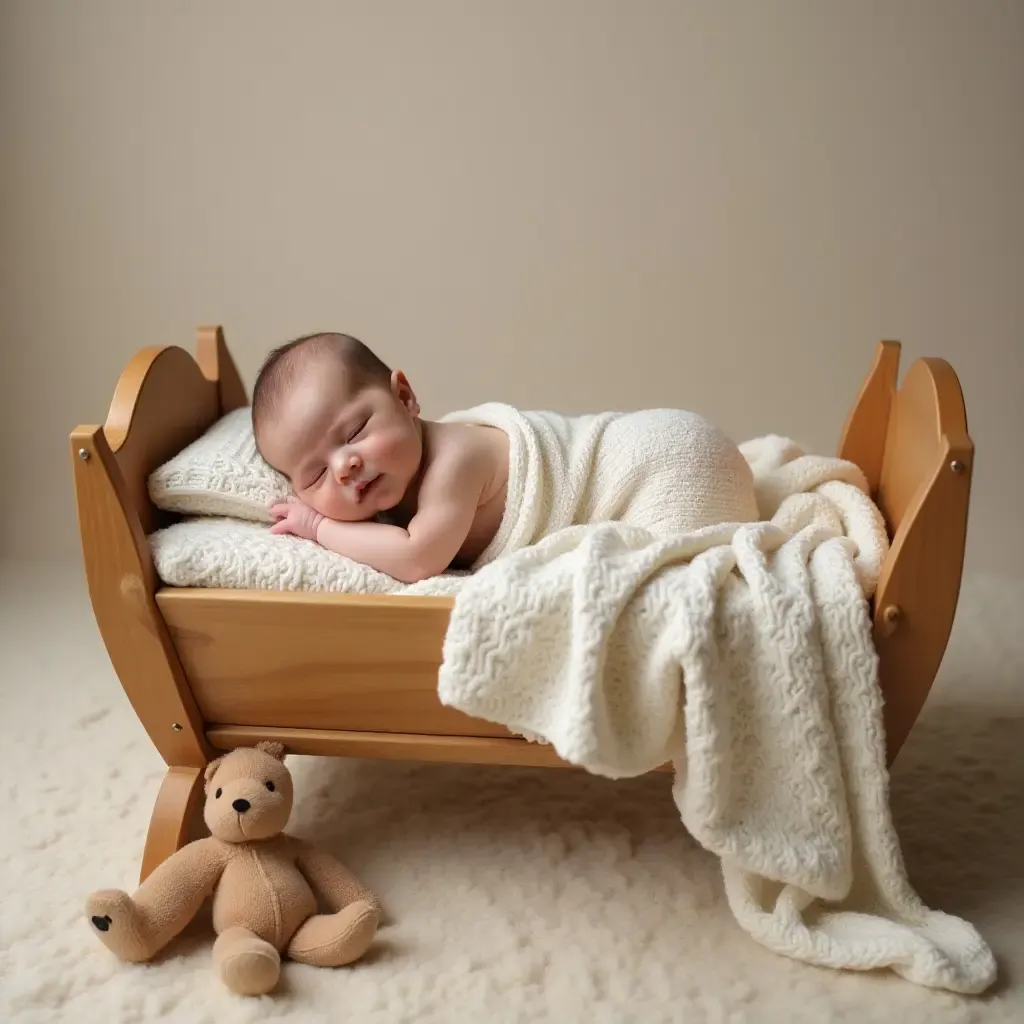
925,491
177,817
863,438
215,361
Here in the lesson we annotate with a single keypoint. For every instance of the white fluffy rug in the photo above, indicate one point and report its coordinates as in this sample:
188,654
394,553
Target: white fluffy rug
518,895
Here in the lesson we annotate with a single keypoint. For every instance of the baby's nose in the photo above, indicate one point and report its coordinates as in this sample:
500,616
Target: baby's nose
347,466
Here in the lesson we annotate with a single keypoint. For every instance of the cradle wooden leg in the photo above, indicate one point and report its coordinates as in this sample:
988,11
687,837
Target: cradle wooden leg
176,819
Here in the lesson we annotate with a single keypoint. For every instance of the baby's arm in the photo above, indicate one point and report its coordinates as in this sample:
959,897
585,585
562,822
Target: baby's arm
448,501
425,549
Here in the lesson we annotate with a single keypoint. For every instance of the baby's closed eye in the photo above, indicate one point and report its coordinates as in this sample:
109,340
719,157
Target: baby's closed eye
359,430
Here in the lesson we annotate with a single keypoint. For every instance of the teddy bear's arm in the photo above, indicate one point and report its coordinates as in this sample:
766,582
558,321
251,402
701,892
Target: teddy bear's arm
331,880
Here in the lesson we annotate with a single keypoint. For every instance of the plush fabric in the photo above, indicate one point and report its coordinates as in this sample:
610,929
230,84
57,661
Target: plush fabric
219,474
265,886
585,639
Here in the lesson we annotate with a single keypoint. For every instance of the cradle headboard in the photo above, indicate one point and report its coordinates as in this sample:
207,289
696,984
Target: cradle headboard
911,440
164,400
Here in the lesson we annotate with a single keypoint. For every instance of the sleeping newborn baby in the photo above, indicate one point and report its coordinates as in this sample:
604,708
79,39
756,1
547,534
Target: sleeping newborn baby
375,481
346,432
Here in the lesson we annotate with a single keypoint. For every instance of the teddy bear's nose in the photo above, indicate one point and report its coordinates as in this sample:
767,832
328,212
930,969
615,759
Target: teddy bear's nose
240,805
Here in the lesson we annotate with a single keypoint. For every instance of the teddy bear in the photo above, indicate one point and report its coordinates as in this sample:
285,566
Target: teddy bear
264,885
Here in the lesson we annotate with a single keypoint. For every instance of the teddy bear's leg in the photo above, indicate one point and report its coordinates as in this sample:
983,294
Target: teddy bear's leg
247,964
136,927
121,925
330,940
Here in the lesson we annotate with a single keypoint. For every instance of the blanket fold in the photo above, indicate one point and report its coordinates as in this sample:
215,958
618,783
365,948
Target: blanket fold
731,638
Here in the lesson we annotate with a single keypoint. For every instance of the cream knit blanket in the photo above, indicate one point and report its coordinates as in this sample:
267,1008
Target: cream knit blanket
742,653
667,470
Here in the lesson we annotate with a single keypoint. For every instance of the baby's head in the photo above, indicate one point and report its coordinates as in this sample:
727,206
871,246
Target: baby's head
339,424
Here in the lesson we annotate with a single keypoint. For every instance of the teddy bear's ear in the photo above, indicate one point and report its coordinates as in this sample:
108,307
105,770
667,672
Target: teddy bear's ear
211,769
271,748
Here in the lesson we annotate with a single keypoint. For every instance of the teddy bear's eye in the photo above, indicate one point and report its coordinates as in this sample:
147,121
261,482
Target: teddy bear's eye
270,786
217,794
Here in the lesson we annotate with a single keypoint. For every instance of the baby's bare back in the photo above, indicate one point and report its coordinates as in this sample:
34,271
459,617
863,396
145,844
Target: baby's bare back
470,462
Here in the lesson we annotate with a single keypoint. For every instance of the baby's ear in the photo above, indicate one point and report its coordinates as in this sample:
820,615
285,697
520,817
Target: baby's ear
271,748
211,769
403,391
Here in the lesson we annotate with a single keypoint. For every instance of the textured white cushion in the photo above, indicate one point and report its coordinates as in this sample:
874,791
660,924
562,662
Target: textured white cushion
220,474
220,552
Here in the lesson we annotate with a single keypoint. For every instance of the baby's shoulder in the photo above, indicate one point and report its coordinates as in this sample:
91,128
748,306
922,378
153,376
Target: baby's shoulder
463,440
464,447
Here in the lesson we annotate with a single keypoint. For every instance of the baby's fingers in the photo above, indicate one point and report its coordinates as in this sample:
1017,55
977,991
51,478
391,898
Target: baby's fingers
281,526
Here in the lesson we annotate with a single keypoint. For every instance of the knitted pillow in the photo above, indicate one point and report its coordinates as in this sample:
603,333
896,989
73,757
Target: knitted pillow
220,474
221,552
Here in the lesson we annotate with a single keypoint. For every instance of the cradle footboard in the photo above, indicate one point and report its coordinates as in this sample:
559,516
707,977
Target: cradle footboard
911,440
207,670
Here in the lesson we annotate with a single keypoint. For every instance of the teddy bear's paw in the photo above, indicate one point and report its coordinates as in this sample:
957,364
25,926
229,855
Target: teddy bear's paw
115,921
247,964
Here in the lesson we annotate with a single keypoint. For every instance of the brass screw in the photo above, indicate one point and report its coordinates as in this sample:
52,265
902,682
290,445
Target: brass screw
83,454
177,726
957,466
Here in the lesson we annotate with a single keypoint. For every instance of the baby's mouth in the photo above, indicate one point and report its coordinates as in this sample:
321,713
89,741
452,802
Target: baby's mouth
364,485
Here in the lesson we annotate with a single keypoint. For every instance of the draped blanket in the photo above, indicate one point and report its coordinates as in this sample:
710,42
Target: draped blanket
721,624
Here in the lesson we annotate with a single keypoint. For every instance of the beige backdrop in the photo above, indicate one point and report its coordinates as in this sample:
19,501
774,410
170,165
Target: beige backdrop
562,203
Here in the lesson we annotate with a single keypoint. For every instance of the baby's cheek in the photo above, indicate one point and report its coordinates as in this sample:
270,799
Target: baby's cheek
380,451
397,449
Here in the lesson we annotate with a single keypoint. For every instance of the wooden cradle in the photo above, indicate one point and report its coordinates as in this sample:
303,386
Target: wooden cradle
350,675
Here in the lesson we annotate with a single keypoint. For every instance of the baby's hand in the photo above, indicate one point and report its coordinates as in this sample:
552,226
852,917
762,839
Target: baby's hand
294,516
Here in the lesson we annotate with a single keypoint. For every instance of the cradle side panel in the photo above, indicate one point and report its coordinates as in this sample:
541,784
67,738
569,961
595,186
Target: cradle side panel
316,660
121,583
924,494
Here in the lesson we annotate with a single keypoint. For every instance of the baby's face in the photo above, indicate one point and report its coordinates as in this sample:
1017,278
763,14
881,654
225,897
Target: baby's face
350,450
